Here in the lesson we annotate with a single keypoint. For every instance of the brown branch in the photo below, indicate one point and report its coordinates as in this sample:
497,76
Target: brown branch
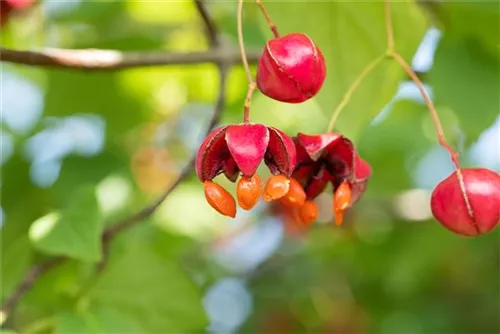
115,229
210,28
27,282
65,58
95,59
37,270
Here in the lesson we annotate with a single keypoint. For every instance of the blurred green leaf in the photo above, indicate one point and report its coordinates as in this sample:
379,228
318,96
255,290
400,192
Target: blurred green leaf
97,320
146,285
465,78
74,232
393,147
16,257
352,34
472,20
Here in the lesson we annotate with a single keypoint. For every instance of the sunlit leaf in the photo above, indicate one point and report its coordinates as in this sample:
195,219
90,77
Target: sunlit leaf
147,286
96,320
351,34
465,79
74,232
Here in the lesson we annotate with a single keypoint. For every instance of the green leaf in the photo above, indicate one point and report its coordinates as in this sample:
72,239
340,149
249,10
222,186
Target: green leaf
390,145
147,286
472,19
16,258
96,320
465,79
352,34
74,232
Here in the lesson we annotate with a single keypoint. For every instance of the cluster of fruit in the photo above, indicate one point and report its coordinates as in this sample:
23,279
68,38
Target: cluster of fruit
7,7
292,70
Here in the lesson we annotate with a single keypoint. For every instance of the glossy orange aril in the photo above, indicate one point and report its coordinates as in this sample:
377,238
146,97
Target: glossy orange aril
220,199
248,191
308,212
296,195
276,187
341,201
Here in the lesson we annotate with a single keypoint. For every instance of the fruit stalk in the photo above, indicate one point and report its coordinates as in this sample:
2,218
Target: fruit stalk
270,22
391,52
251,82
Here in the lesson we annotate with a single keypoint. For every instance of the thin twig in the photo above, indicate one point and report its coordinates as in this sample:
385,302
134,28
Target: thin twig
146,212
37,270
27,282
347,97
210,28
95,59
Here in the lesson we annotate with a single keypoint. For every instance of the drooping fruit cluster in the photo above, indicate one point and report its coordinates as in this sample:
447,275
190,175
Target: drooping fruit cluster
468,201
9,6
323,159
291,69
301,168
240,148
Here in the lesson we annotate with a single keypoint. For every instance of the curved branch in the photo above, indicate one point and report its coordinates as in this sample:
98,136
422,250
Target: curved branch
95,59
211,29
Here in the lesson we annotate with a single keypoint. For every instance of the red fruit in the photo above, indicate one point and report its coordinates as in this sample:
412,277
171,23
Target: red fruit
291,69
20,4
240,148
471,212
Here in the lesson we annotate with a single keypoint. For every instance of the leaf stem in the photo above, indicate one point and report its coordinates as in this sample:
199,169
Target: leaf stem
350,91
388,28
270,22
252,85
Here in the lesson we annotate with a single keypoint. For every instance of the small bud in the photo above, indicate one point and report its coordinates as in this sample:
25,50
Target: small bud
220,199
296,195
341,201
291,69
308,212
276,187
248,191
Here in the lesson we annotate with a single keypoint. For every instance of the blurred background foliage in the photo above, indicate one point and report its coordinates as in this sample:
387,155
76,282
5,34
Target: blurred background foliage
81,150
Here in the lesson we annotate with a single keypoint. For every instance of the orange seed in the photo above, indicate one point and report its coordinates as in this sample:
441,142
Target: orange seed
308,212
296,195
276,187
220,199
248,191
341,201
